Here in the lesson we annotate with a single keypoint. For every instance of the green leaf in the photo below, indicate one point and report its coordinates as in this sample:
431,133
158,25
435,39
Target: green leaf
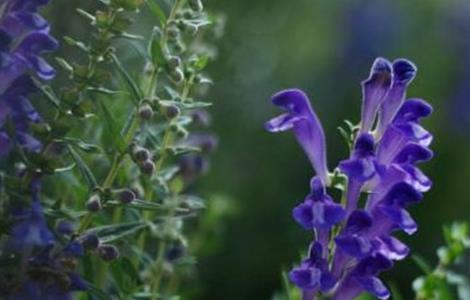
84,146
136,93
80,45
422,263
125,275
111,233
138,204
84,169
64,64
94,291
156,11
113,128
154,48
48,92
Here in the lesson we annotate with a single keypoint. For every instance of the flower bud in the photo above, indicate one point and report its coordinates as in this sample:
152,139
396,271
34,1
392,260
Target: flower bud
108,252
126,196
196,5
65,227
140,154
172,111
94,203
174,252
90,241
174,62
173,33
177,75
145,112
148,167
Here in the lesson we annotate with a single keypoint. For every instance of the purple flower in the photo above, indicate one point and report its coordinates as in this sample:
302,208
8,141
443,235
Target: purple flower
383,164
301,118
24,36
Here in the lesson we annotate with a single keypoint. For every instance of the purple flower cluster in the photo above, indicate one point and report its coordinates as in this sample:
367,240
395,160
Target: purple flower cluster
47,269
24,36
353,241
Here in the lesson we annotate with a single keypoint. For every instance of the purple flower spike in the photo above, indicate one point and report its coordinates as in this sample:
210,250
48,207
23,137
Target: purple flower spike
382,167
301,118
24,37
374,90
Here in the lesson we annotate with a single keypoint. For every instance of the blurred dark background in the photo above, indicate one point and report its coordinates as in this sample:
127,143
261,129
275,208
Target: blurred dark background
326,48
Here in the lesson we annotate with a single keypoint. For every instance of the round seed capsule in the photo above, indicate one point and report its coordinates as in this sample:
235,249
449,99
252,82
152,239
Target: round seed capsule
94,203
148,167
108,252
126,196
145,112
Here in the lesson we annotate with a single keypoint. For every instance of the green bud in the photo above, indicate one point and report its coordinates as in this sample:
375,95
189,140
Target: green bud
173,33
177,75
174,62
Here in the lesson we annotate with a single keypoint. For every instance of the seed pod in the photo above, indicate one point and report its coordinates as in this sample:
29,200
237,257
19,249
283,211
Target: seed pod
173,32
145,112
90,241
174,62
108,252
126,196
177,75
172,111
140,154
94,203
148,167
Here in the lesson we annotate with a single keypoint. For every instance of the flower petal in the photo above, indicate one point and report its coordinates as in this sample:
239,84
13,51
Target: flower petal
374,90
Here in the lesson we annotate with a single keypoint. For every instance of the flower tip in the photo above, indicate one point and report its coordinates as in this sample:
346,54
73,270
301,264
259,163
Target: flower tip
285,97
381,71
404,70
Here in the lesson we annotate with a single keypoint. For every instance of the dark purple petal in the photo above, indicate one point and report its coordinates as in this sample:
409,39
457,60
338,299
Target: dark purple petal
413,110
317,189
327,281
354,245
358,222
393,248
400,218
413,153
307,128
374,90
318,214
364,145
5,144
37,43
402,194
358,169
315,252
374,286
305,278
403,73
417,178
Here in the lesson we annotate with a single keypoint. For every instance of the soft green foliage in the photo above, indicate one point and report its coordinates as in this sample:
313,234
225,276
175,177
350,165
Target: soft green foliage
437,284
113,130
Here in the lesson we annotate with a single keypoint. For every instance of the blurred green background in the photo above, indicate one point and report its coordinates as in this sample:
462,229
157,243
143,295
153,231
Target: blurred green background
326,48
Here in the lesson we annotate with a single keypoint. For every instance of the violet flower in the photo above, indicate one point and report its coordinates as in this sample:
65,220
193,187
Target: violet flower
24,36
354,243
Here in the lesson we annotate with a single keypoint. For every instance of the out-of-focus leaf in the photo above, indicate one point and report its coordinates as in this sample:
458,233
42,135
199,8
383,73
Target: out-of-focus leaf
83,167
113,128
111,233
133,87
138,204
156,11
155,50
